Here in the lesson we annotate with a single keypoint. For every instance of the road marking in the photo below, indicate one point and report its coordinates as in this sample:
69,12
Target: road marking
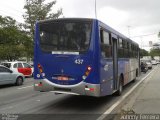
25,87
7,108
108,111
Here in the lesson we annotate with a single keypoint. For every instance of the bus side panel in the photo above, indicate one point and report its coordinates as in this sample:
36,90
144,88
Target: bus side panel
106,76
133,67
127,68
123,69
106,72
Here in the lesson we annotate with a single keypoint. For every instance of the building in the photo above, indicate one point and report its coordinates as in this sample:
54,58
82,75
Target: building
156,45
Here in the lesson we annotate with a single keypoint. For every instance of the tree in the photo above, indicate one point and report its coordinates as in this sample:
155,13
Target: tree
143,52
154,52
12,40
38,10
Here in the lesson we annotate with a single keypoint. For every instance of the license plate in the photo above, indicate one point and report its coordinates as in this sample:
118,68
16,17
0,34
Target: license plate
62,78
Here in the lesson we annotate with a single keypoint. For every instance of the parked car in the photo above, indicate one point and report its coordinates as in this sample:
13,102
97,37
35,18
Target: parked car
154,62
158,62
144,67
8,76
21,67
149,64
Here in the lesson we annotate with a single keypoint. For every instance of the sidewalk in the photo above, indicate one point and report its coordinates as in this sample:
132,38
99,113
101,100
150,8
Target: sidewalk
146,99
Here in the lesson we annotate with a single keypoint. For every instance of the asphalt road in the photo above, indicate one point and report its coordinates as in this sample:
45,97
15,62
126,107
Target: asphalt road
27,103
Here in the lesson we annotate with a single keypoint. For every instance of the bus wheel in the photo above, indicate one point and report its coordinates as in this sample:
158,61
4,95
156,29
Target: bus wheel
120,87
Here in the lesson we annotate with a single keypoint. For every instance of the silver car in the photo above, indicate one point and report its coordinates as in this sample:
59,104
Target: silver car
154,62
8,76
149,64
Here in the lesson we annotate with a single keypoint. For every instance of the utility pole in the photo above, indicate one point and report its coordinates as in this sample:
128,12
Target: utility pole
141,42
129,31
95,9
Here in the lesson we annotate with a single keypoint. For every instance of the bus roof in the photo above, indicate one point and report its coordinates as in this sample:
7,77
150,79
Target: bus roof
107,27
67,19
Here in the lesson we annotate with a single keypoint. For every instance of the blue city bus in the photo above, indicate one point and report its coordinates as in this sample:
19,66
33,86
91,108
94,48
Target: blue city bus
82,56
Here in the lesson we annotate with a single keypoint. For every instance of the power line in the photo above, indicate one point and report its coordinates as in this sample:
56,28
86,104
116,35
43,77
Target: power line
144,35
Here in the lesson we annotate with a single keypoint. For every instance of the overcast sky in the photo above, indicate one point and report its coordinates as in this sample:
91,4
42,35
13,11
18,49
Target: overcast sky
142,16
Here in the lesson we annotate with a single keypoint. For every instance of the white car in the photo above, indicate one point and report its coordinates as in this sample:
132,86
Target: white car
158,62
20,67
149,64
154,62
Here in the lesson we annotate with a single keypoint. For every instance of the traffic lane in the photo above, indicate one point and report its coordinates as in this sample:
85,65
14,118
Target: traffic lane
48,103
85,105
11,93
63,106
27,82
82,104
29,101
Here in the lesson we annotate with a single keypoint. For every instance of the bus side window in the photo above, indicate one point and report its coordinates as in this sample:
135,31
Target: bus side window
125,49
106,48
120,48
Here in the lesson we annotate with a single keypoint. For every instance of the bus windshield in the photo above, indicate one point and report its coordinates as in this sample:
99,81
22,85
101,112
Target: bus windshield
66,36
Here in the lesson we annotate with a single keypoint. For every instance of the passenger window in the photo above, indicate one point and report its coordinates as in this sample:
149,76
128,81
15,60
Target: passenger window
15,65
106,48
26,65
120,43
106,38
2,69
124,44
20,65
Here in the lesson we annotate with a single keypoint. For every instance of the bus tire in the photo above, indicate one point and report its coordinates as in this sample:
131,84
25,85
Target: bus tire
134,80
120,87
136,72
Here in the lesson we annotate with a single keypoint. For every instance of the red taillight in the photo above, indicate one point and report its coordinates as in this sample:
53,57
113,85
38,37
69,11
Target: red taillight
39,84
89,89
87,72
40,68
